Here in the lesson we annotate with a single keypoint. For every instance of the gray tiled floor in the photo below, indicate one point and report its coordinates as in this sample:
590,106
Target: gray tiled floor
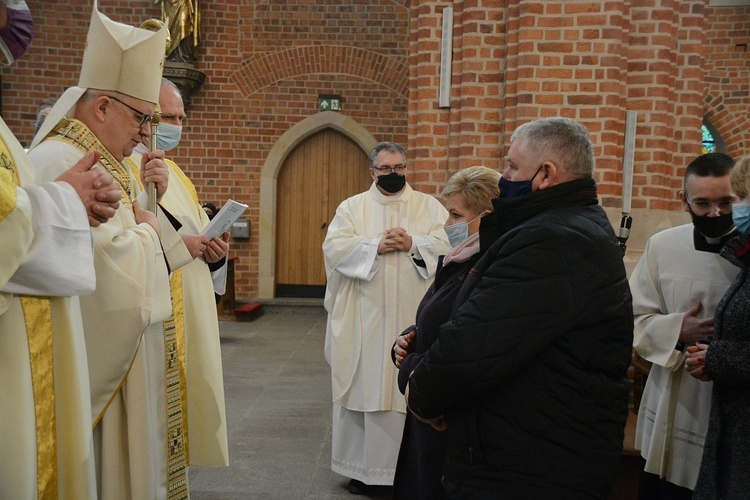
278,404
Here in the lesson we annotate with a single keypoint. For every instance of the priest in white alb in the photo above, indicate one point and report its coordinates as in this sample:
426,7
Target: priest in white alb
381,252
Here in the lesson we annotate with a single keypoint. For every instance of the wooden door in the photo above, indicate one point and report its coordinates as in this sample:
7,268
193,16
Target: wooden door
318,175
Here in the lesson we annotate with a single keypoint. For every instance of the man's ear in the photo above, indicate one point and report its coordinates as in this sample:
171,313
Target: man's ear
550,175
683,199
101,106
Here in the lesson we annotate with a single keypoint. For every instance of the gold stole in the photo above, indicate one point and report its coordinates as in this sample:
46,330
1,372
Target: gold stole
77,134
177,488
174,344
178,306
37,313
8,182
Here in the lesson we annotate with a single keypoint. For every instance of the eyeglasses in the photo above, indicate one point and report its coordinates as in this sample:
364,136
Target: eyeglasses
705,206
142,117
399,169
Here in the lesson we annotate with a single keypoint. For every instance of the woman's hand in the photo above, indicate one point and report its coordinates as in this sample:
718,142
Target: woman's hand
402,347
695,361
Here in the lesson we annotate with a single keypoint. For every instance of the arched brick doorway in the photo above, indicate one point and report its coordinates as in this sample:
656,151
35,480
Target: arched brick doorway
320,173
284,147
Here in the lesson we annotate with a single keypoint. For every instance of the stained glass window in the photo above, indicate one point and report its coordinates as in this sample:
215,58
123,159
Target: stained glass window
709,146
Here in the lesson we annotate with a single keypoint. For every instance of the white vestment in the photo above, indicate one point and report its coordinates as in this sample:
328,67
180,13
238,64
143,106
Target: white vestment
370,299
206,414
46,248
124,336
669,279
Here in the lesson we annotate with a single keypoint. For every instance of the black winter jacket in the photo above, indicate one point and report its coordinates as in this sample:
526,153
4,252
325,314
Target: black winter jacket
530,373
725,467
421,457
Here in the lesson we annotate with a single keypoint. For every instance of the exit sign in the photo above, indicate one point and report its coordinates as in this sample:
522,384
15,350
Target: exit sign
329,102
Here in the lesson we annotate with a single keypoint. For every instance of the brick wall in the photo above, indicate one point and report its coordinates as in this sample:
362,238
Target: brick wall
663,83
591,61
727,76
266,63
289,53
672,61
442,140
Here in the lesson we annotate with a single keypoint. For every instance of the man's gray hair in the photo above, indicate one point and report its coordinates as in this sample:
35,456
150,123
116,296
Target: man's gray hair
561,140
166,82
391,147
41,113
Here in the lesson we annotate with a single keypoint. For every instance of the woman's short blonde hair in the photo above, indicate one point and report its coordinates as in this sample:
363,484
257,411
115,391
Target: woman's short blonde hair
478,186
741,177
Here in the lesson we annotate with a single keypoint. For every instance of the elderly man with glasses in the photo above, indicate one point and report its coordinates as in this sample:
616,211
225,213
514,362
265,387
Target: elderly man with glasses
193,288
381,252
676,287
127,323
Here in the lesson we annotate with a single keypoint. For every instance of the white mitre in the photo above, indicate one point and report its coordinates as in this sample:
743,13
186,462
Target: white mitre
118,58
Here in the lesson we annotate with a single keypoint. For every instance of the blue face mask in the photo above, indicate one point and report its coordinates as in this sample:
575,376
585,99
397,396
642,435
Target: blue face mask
514,189
741,216
168,136
458,232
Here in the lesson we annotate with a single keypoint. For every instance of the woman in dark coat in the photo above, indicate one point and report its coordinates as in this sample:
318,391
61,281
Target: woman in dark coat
468,196
725,359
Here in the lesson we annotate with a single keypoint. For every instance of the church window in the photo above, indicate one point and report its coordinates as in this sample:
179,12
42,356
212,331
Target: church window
709,145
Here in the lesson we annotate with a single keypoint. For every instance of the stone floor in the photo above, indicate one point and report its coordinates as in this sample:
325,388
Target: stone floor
278,401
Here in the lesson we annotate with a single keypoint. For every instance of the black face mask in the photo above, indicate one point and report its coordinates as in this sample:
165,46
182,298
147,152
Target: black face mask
392,183
514,189
712,227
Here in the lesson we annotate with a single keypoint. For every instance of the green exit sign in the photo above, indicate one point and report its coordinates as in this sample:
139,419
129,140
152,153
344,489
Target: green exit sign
329,102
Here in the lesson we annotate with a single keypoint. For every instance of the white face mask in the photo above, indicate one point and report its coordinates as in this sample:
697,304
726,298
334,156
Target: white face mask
168,136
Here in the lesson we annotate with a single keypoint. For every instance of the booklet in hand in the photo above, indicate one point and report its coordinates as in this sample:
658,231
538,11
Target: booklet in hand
223,220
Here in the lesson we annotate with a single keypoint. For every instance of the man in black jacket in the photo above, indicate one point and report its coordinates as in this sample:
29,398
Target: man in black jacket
529,376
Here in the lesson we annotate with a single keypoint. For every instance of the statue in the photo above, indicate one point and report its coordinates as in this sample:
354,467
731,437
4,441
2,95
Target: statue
183,35
156,25
184,28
